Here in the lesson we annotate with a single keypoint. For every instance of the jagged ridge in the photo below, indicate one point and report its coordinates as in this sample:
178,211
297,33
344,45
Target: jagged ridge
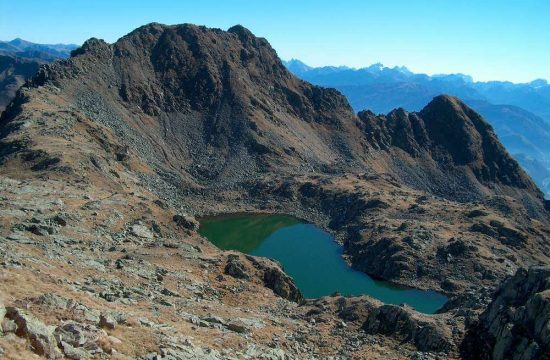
207,105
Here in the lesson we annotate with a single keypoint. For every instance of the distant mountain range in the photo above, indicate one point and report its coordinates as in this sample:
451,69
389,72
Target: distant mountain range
520,113
26,49
20,60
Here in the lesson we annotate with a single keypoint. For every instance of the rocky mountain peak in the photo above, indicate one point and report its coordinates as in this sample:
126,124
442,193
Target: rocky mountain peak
243,33
461,135
202,88
228,89
453,135
451,126
92,46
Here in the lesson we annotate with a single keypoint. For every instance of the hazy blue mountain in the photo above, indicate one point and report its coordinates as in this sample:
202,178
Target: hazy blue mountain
538,171
296,66
20,60
364,85
521,131
26,49
520,113
533,96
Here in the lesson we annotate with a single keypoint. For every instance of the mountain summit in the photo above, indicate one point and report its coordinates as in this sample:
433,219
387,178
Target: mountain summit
208,105
518,112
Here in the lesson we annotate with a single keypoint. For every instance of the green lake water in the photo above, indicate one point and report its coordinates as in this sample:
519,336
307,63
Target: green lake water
310,256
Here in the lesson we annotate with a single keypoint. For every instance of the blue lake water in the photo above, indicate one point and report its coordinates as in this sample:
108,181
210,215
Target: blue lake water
310,256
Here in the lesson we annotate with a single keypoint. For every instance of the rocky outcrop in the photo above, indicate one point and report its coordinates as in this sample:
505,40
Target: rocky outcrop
235,267
186,222
281,283
406,325
40,336
516,324
270,273
505,234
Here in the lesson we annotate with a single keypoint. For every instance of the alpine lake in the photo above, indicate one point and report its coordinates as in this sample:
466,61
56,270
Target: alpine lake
310,256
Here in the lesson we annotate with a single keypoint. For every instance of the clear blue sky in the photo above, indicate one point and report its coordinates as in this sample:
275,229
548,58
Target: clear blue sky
488,39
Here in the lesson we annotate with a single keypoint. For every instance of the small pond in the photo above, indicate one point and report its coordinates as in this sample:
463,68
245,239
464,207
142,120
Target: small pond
310,256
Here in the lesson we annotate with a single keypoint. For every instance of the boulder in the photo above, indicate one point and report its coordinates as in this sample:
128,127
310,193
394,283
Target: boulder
186,222
237,326
53,301
61,219
235,267
39,335
79,335
74,353
141,231
405,325
107,321
8,326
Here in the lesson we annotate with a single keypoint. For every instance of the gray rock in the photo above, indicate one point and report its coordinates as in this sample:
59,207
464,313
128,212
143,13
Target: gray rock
74,353
214,320
141,231
53,301
61,219
237,326
276,279
78,335
39,335
20,238
282,284
405,325
107,321
8,326
41,230
235,267
92,205
516,324
186,222
2,311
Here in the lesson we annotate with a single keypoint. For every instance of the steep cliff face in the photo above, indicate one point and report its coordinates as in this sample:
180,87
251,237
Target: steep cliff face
453,135
516,324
